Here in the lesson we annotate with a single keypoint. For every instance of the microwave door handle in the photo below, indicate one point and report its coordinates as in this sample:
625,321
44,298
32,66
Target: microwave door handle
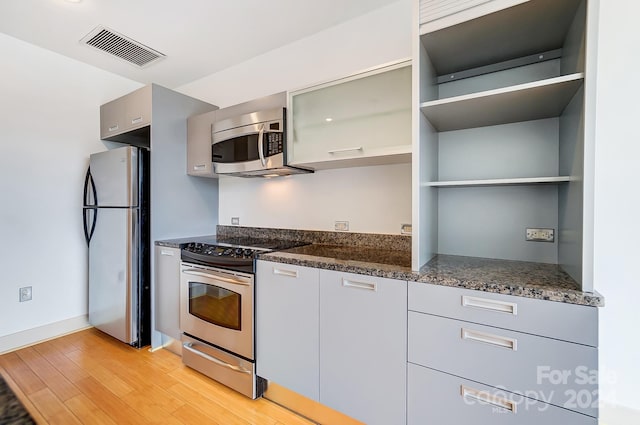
261,145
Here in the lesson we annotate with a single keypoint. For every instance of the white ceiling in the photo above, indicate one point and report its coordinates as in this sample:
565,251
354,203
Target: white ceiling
198,37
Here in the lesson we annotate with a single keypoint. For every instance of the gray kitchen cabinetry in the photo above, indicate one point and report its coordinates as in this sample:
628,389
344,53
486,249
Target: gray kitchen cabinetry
199,145
167,295
287,326
438,14
485,357
336,338
363,346
363,119
505,134
126,113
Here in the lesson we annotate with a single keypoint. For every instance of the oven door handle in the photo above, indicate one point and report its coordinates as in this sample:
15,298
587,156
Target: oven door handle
213,275
189,347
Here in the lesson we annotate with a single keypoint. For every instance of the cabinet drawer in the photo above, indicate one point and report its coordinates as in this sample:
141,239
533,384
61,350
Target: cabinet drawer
543,368
439,398
568,322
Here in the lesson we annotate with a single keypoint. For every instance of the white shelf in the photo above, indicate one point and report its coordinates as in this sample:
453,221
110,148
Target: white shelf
522,102
500,182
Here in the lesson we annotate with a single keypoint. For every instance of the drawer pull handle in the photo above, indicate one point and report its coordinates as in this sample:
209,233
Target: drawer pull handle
166,252
491,305
498,341
359,285
358,148
199,167
485,397
136,120
288,273
114,127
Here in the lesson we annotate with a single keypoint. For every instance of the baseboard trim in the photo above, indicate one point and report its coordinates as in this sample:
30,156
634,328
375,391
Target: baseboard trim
43,333
612,414
303,406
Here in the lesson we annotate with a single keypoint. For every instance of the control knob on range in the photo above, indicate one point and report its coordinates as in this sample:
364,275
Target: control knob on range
248,252
238,252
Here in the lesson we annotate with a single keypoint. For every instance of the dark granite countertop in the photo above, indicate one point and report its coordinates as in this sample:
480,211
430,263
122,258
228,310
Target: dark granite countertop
519,278
179,242
370,261
390,256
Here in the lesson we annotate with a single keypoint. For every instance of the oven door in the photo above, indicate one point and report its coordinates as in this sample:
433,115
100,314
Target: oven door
216,306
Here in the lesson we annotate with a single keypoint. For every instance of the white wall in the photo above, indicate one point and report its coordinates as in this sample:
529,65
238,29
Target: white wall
617,210
373,199
49,116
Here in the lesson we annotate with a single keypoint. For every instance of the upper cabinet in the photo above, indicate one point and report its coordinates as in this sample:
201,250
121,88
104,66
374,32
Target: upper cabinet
364,119
126,114
199,145
504,131
438,14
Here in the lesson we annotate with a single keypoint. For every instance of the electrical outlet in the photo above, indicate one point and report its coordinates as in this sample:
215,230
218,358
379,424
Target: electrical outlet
539,235
235,221
25,293
342,226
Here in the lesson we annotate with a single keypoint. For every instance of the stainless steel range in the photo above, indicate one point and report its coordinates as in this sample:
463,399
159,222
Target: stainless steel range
217,310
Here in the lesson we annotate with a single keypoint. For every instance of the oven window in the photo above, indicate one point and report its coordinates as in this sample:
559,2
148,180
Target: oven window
238,149
215,305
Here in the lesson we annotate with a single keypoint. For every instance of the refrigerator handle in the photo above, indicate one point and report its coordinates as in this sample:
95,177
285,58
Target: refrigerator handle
88,181
84,225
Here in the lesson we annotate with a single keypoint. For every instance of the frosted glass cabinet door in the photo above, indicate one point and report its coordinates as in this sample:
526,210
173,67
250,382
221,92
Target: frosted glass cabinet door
365,117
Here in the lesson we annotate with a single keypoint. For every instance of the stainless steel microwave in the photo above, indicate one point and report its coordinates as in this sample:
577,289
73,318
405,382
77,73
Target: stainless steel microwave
252,145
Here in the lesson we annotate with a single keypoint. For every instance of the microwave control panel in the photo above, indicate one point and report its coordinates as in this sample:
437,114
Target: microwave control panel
274,142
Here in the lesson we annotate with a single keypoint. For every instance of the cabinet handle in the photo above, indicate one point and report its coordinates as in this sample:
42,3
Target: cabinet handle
491,305
359,285
166,252
498,341
114,127
485,397
199,167
289,273
359,148
136,120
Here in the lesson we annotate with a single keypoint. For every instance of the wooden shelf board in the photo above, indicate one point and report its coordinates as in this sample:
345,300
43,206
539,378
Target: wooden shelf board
501,182
522,102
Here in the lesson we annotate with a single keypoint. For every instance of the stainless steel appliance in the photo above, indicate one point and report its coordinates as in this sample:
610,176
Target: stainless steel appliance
116,228
252,145
217,310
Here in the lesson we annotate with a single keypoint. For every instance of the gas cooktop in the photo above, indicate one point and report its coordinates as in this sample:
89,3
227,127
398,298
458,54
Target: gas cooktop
233,253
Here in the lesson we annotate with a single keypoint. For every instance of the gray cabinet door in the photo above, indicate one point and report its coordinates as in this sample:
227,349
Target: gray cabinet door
287,323
443,399
199,145
363,342
167,291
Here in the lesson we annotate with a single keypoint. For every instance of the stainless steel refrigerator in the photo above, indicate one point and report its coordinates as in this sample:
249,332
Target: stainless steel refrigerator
116,227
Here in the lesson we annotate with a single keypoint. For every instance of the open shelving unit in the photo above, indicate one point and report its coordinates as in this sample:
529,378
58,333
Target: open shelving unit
503,138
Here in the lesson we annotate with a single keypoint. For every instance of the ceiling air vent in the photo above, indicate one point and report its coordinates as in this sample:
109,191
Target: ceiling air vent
111,42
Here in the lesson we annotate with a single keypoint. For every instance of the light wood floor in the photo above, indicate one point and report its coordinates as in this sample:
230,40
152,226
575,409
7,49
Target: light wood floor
90,378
